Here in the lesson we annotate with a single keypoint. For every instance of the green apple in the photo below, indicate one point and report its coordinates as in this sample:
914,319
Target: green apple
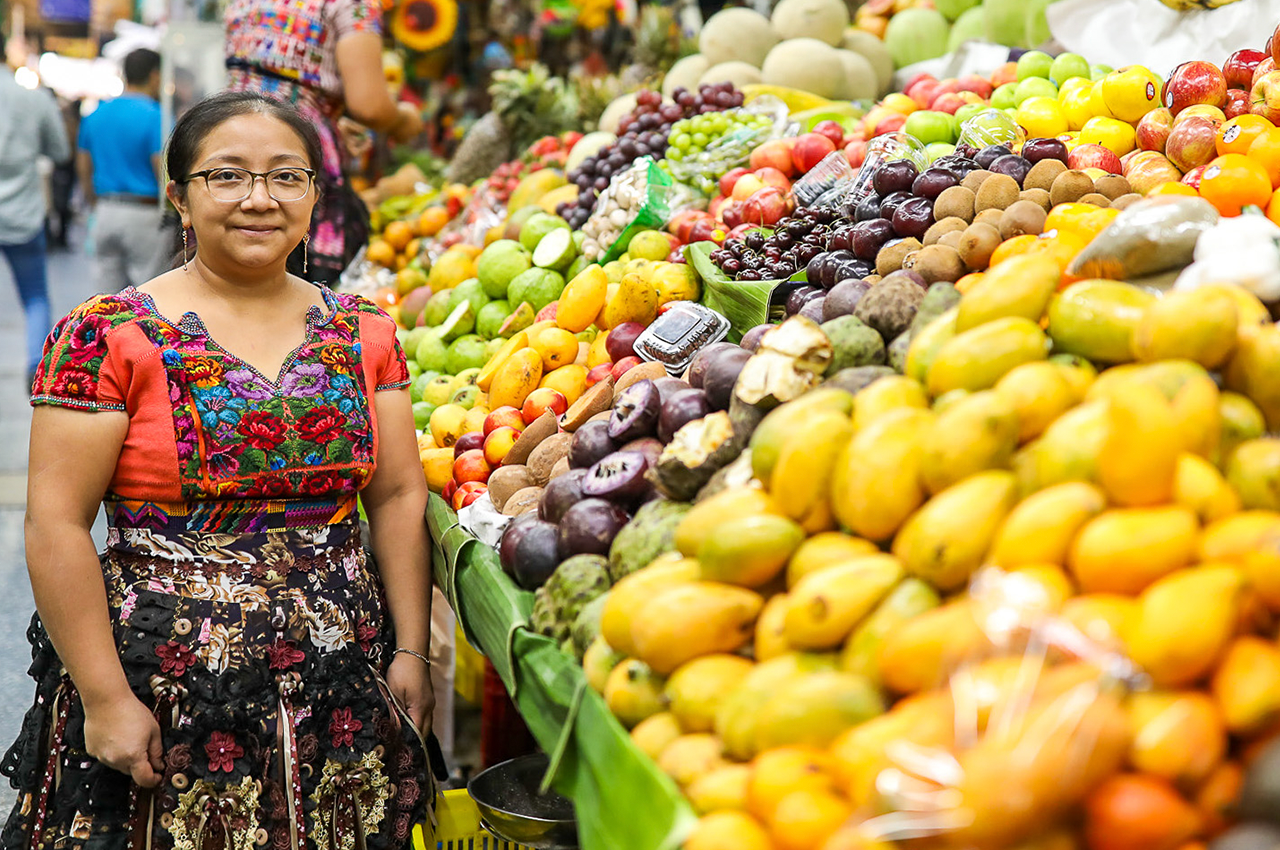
1066,66
937,150
1034,87
1034,63
967,111
1001,98
930,127
1097,72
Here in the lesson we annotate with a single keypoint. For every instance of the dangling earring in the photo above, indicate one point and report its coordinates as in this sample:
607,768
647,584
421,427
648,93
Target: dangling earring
306,238
184,248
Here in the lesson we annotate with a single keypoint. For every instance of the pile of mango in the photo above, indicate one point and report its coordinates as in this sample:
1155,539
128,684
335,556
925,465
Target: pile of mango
1024,595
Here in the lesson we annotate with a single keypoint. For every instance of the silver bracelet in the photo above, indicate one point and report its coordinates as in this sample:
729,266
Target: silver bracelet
418,655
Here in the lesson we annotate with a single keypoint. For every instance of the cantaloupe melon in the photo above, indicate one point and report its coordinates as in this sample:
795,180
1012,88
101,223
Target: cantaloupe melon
915,35
806,64
874,51
736,34
686,72
860,77
825,20
586,146
739,73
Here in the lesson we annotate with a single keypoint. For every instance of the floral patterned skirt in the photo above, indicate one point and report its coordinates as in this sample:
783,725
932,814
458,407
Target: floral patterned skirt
260,653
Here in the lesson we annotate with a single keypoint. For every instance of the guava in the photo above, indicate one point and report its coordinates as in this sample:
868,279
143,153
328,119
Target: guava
466,352
410,341
461,321
470,291
437,309
490,318
499,264
537,286
432,354
422,414
538,226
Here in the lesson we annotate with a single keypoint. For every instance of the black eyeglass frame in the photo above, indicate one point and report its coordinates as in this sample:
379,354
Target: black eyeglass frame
253,179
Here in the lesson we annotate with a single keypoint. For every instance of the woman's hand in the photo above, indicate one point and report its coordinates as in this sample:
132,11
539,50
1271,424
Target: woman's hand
124,735
410,681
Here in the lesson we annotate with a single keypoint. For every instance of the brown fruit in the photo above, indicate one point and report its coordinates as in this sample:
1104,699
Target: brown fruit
956,201
998,192
1113,186
974,179
944,225
1022,218
936,263
1069,187
1125,201
1097,199
1042,174
977,244
890,258
1039,197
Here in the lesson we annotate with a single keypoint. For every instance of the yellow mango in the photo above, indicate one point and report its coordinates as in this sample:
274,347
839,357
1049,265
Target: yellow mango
978,432
1246,685
1124,550
598,662
863,752
1039,393
484,380
801,479
719,790
1252,371
635,301
1079,372
1253,314
862,650
824,550
633,592
704,517
675,282
946,540
884,394
920,652
1101,617
1184,623
1200,487
695,690
1068,450
815,710
978,358
826,606
1139,457
1198,324
437,465
948,400
1177,735
633,692
876,484
598,353
1194,398
1043,586
473,422
777,427
1251,540
518,376
736,715
749,550
690,757
1097,319
1020,287
1039,530
652,735
694,619
570,381
771,632
447,424
582,299
1254,472
1240,420
926,344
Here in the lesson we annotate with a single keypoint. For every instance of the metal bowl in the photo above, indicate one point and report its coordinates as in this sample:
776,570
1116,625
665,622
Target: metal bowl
513,810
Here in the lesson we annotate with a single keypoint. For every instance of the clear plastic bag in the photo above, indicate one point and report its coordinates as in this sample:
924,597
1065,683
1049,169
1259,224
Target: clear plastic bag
883,149
636,199
991,127
484,212
733,149
1152,236
826,183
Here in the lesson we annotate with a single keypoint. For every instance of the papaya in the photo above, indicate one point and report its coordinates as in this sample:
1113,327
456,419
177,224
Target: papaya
861,650
824,550
1184,622
632,592
1020,287
735,716
1254,472
1124,550
816,709
926,344
1199,324
694,691
633,692
801,479
772,433
876,483
1039,530
707,515
888,393
750,550
1068,450
1039,392
976,433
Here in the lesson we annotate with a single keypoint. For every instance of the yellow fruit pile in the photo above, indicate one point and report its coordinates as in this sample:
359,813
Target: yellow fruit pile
1044,561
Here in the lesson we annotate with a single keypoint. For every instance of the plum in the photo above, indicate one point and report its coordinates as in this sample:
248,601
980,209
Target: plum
618,477
590,443
868,208
990,154
467,442
682,408
1035,150
588,528
511,537
870,236
913,218
635,412
1011,166
750,341
895,176
892,202
650,447
800,296
813,310
813,269
933,183
669,386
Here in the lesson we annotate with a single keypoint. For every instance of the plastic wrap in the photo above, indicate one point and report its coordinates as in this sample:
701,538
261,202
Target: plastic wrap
636,199
733,149
1152,236
826,183
1244,250
882,149
484,212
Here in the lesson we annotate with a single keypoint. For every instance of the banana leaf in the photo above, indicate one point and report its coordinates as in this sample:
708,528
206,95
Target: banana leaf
745,303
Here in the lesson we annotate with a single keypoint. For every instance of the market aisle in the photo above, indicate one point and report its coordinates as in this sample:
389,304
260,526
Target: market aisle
70,282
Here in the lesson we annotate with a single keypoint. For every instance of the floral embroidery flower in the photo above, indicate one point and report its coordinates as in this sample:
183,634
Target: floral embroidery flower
245,384
322,424
262,430
308,745
73,382
343,727
171,358
304,379
223,463
178,757
88,339
107,306
222,751
338,357
204,371
365,635
175,657
215,404
284,654
270,486
323,483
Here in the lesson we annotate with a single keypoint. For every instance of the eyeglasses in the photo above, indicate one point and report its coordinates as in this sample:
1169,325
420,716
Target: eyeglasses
235,184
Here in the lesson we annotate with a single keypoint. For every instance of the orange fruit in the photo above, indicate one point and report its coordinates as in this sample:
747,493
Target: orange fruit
968,282
779,772
1217,796
1236,135
1234,181
1136,810
1264,149
728,831
432,220
805,819
381,253
1173,189
1273,207
1015,247
398,234
386,296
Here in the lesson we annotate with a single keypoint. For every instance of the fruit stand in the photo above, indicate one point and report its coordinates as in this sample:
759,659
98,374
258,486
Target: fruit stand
836,435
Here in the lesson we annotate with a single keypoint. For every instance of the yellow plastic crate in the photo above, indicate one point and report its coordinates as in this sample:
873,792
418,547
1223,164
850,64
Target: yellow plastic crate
468,670
458,826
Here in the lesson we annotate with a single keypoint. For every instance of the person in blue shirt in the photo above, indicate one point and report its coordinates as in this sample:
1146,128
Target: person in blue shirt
119,163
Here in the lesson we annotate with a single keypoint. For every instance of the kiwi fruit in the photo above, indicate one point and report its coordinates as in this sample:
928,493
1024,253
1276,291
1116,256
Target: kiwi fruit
1113,186
952,239
974,179
1069,187
890,258
871,279
998,192
956,202
935,263
1125,201
1022,218
943,226
991,217
977,244
1042,174
1039,197
1098,200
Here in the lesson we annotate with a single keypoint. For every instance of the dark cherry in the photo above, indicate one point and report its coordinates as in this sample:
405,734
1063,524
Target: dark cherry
868,209
891,203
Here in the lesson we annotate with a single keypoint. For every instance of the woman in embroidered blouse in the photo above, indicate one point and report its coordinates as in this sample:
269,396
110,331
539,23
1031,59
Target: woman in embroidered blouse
229,653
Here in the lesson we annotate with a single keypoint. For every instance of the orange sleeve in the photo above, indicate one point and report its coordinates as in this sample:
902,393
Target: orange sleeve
78,369
390,370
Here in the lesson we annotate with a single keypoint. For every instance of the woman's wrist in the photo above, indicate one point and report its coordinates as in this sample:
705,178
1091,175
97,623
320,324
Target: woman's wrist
413,654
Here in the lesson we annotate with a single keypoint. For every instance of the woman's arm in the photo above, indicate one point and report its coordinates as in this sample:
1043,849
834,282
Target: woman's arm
72,458
395,500
364,88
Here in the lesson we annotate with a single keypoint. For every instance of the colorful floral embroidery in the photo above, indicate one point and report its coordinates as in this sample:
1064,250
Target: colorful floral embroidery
283,653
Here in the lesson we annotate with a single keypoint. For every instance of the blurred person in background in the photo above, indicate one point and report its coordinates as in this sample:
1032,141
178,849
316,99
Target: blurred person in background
30,127
325,58
63,182
119,163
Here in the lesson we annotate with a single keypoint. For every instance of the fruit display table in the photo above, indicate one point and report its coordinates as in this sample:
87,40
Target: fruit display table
623,801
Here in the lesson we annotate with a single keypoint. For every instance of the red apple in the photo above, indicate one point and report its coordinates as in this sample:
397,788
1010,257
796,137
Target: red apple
471,466
540,401
832,130
598,374
1153,129
1192,142
729,178
1192,178
717,206
498,443
889,124
1207,111
468,493
1273,45
622,340
677,256
809,150
467,442
741,230
1192,83
622,366
922,89
503,417
747,186
775,153
731,214
1266,97
919,77
1127,159
682,221
978,85
1149,170
1239,102
1266,66
766,207
856,153
1239,68
948,102
1094,156
775,178
707,230
1006,73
